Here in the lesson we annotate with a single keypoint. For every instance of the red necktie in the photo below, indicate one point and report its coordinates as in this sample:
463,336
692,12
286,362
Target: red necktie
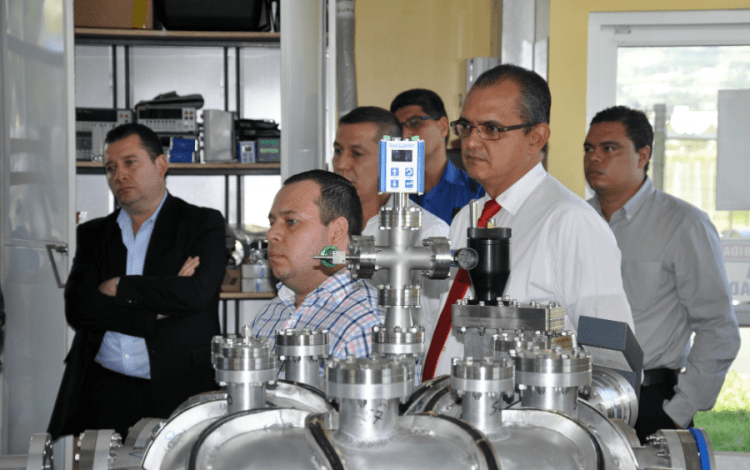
460,285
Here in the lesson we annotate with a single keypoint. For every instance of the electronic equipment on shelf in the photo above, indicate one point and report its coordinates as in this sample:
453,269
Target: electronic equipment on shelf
92,125
164,120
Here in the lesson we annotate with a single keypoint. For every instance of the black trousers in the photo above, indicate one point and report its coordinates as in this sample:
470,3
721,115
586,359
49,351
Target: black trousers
651,415
111,400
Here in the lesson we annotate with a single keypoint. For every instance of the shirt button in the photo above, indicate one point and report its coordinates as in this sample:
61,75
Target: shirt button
127,356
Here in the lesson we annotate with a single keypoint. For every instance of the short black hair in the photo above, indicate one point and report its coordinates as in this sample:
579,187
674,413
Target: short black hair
385,120
428,100
636,123
536,99
149,140
338,198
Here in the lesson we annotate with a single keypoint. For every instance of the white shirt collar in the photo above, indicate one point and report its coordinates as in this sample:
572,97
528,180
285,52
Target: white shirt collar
513,198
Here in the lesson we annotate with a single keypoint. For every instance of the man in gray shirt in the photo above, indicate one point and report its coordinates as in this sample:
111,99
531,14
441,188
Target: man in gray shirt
672,272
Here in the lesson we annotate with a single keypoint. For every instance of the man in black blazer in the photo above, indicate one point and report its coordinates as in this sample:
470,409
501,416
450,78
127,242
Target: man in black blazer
142,297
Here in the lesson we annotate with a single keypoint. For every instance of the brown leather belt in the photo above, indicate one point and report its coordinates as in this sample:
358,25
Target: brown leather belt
657,376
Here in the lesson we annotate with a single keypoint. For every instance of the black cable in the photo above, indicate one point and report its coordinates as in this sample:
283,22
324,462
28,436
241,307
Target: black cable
314,424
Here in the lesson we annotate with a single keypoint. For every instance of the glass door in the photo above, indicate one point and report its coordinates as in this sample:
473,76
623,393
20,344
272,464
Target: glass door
672,65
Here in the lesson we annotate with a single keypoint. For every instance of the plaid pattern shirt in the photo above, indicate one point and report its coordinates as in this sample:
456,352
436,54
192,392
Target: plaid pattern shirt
347,308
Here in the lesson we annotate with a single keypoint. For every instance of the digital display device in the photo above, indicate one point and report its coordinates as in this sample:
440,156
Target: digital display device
401,155
92,125
160,113
168,120
401,165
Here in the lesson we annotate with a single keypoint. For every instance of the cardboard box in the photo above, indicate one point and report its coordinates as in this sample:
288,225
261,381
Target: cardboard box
124,14
232,281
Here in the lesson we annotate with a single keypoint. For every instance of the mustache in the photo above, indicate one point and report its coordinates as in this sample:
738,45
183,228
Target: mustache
470,154
346,174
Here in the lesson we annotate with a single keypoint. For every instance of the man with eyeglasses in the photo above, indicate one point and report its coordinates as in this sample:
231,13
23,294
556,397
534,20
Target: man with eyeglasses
446,187
356,152
560,249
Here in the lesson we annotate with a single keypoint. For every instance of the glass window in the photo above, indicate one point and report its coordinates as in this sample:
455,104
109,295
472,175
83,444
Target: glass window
687,81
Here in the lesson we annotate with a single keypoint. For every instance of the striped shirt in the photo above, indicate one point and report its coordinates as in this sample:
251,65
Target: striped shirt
347,307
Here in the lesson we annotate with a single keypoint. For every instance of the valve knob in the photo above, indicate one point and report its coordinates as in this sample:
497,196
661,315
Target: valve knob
466,258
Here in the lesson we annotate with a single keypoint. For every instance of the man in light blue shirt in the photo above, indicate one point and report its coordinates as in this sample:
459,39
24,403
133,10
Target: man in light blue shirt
142,296
672,271
120,352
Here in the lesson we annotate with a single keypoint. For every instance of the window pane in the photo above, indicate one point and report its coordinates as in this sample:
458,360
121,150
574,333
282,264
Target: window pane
687,81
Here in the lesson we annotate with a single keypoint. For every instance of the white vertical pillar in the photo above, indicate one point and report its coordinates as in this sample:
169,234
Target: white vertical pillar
302,86
331,84
525,34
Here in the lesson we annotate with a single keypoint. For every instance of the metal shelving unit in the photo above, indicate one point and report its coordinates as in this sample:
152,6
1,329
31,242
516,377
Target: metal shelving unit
143,37
196,169
149,37
226,40
246,295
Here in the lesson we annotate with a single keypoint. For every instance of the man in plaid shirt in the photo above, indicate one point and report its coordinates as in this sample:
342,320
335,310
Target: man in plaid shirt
313,210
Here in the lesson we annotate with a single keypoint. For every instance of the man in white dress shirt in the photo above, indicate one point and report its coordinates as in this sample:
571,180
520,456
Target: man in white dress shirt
673,273
356,157
560,248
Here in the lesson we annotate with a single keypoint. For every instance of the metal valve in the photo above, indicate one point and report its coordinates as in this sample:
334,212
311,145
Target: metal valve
331,256
466,258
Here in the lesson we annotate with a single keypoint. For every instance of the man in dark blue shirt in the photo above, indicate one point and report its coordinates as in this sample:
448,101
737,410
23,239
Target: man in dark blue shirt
447,188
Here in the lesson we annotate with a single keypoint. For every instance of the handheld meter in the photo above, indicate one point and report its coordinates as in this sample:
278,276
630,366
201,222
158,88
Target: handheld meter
401,165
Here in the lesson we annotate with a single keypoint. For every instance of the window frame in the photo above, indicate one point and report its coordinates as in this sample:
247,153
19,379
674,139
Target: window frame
610,30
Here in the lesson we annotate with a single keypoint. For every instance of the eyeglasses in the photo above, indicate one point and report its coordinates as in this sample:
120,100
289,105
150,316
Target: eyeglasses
416,121
462,128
